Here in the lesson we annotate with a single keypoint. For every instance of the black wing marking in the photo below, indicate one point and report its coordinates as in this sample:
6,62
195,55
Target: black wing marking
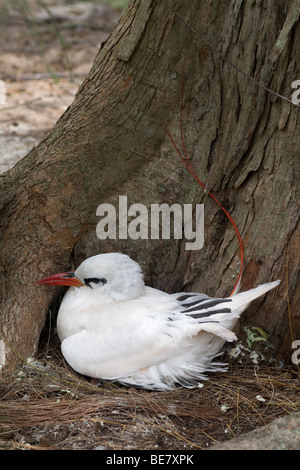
206,304
208,314
196,302
184,297
202,307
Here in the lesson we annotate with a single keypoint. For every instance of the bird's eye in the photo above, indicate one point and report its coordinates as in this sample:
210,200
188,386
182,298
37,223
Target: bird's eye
95,280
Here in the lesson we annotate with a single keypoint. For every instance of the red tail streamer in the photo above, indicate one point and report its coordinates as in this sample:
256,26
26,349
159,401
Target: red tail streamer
185,159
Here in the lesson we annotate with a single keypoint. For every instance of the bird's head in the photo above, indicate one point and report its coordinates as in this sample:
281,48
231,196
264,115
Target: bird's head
112,275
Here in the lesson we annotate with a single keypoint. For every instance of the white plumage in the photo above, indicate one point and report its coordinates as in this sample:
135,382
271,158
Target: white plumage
113,327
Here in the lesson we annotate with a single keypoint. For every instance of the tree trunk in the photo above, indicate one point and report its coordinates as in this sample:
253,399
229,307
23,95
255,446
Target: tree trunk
243,143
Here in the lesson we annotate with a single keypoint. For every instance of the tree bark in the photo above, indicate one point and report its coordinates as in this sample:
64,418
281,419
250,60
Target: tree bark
243,143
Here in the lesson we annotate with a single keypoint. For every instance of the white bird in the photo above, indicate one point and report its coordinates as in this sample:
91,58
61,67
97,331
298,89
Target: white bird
113,327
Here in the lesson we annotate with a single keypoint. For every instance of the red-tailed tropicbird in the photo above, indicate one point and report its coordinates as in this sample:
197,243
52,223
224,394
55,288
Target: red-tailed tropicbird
113,327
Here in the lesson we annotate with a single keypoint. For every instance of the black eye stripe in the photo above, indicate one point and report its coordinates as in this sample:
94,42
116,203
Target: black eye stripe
95,280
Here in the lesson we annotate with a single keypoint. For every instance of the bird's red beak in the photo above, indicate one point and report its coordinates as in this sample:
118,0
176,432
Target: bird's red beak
62,279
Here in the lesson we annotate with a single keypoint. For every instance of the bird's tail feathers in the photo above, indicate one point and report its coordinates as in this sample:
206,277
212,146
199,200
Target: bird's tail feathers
244,298
218,330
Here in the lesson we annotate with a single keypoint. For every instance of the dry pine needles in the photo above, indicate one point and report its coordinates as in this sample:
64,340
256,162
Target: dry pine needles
45,405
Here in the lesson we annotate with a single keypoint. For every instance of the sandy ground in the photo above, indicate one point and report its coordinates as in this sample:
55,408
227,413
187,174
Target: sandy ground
42,64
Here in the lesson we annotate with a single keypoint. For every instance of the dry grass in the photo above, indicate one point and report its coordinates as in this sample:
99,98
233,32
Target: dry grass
45,405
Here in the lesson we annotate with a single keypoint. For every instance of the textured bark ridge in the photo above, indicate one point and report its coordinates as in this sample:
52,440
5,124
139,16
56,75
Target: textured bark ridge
243,143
